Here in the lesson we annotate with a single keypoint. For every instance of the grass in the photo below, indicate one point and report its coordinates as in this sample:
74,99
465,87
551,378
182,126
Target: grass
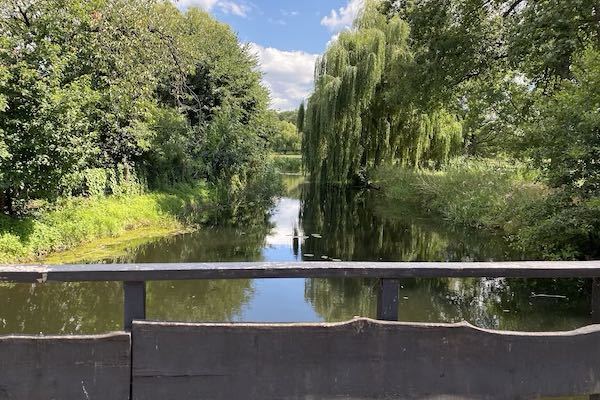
111,247
503,197
484,194
77,221
288,163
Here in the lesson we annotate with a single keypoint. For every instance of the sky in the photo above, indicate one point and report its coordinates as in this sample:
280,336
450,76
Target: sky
287,36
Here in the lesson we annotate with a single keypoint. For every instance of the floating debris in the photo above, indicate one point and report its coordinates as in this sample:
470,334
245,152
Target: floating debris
316,235
309,255
405,297
325,257
549,296
336,259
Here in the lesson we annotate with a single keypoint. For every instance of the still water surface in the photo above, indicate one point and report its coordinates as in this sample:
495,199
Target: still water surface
310,225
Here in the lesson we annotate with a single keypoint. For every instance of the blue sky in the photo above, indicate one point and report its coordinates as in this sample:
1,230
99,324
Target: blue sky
286,35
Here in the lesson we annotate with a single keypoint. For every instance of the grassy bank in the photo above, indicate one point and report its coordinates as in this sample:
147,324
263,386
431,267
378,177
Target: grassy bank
77,221
288,163
481,194
504,197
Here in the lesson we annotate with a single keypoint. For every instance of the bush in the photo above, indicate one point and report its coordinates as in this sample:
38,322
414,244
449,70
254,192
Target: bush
503,196
481,194
498,195
288,163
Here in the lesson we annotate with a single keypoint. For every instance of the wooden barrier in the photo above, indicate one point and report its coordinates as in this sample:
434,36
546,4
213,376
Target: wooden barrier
362,359
249,270
65,367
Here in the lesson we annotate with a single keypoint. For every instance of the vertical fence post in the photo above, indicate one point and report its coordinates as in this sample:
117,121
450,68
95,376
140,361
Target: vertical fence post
596,301
595,314
134,303
387,300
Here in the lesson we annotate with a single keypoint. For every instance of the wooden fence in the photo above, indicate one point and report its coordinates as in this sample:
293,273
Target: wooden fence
359,359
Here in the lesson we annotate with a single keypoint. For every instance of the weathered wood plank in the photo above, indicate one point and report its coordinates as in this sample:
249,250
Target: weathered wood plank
387,270
362,359
134,303
596,301
66,367
388,299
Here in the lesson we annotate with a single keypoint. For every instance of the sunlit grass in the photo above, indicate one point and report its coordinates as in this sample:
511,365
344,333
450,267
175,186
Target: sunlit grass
288,163
481,194
78,221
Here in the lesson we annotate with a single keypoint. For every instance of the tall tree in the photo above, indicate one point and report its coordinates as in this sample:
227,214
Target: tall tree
356,119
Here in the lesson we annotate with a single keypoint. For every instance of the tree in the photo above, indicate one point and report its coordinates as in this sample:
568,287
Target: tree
565,134
288,116
356,119
128,87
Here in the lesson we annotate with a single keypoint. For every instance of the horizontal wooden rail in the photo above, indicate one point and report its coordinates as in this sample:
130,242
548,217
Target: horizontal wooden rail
249,270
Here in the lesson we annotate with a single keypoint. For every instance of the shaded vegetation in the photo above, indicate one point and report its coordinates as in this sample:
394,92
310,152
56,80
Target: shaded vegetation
288,163
500,197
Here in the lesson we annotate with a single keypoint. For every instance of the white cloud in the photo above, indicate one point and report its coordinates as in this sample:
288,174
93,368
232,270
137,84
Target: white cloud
277,21
226,6
333,39
287,13
341,19
287,74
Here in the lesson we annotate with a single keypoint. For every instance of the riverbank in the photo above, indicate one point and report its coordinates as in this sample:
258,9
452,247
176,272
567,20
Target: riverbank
77,221
288,163
503,197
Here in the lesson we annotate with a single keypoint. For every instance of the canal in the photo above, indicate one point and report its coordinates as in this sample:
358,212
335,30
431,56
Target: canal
310,224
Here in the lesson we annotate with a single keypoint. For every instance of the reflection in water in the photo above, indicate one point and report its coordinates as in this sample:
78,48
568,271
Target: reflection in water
311,224
61,308
487,303
360,226
198,300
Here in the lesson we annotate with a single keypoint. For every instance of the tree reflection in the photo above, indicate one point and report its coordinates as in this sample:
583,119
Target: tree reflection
198,301
360,225
342,299
350,227
205,245
61,308
503,304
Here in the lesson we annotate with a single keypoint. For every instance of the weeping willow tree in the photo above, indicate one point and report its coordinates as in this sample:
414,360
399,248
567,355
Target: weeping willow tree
358,116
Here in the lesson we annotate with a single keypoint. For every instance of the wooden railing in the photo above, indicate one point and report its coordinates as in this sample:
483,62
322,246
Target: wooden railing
359,359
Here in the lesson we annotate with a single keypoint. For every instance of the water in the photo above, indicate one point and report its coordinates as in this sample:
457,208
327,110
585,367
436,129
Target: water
311,225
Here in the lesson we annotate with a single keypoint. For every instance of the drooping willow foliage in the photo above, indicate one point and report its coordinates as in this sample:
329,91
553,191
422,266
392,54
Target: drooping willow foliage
358,116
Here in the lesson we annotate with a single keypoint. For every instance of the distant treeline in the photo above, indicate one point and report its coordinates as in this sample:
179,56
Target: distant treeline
100,96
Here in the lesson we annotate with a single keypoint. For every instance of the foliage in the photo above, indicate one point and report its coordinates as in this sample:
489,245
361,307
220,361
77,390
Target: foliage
286,139
136,89
289,116
354,120
474,193
80,220
503,197
415,83
564,135
288,163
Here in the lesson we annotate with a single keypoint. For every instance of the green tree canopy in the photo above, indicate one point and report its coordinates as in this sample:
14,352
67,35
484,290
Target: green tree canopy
131,87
